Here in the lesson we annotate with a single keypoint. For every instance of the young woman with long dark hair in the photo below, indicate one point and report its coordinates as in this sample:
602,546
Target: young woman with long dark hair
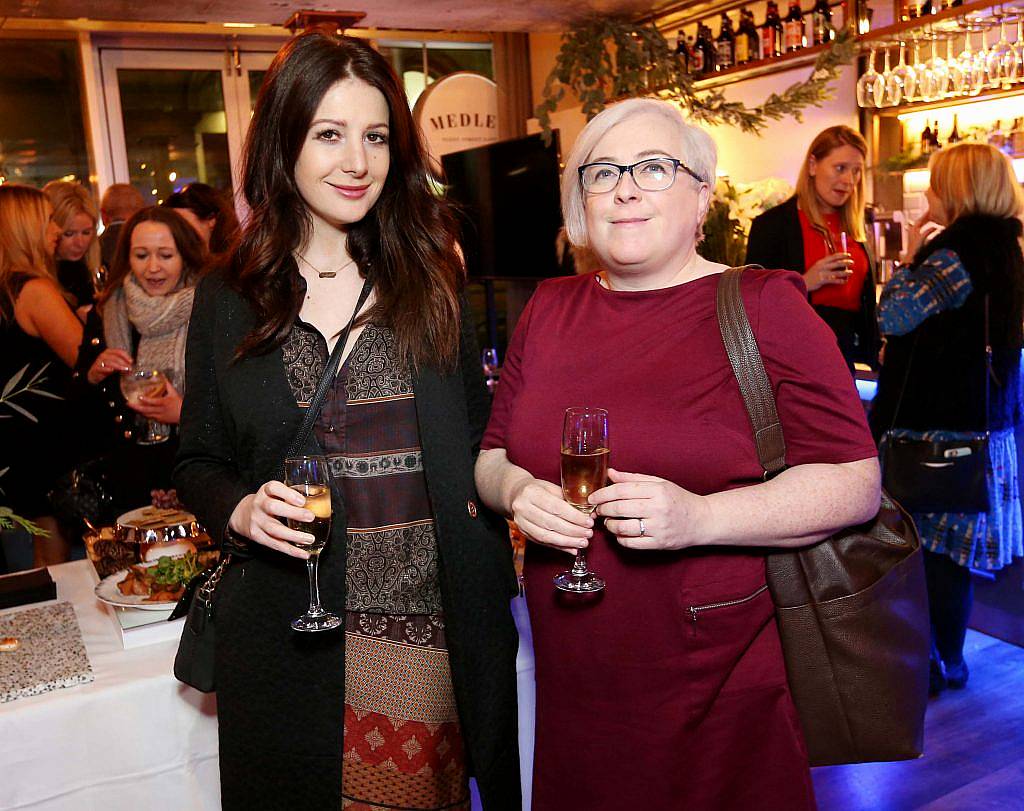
418,687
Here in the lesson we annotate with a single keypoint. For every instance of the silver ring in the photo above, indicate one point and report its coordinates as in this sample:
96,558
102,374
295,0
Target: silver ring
643,529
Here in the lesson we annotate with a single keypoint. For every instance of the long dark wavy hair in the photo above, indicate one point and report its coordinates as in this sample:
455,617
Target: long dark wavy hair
194,258
406,244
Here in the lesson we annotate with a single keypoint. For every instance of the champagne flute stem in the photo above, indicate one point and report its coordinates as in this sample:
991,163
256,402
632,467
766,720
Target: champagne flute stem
579,566
314,586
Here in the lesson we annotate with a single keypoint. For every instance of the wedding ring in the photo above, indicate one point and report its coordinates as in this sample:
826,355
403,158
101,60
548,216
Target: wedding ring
643,529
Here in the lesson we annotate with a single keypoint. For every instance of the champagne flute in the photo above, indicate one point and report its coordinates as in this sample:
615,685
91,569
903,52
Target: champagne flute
956,74
585,455
1013,61
999,56
142,382
979,71
310,476
886,76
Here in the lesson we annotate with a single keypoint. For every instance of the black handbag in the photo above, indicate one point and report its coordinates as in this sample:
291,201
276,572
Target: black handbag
82,495
194,661
938,475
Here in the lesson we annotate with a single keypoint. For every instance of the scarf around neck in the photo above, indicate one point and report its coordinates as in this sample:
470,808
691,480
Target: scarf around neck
162,324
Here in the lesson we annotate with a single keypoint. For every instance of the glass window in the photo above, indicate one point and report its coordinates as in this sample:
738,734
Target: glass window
407,60
175,130
42,132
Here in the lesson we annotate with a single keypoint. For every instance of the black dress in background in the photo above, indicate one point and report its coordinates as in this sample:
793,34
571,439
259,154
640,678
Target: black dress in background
35,452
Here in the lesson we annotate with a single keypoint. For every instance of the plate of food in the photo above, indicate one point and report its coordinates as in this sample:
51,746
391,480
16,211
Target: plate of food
154,586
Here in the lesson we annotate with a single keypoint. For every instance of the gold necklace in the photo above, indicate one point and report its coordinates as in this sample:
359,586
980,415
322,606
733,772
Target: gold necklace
328,274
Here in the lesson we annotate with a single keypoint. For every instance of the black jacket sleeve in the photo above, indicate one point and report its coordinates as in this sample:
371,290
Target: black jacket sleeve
478,399
764,244
206,475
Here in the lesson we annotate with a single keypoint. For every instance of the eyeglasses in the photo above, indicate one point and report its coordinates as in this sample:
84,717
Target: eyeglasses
653,174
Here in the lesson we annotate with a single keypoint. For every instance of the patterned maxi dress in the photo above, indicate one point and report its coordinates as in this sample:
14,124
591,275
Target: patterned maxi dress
403,746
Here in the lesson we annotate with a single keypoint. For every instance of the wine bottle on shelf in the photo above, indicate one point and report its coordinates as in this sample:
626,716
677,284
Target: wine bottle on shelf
793,28
682,51
697,52
936,143
926,140
725,49
1016,138
821,23
748,43
954,134
996,136
710,53
771,32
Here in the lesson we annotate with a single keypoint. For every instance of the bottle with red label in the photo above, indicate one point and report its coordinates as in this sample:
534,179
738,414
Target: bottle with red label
771,32
725,49
793,28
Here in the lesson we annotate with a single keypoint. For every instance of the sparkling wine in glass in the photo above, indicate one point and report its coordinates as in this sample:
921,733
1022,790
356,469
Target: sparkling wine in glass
310,476
142,382
585,455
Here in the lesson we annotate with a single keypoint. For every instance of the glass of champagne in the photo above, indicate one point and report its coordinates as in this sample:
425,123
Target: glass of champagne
584,469
141,382
310,476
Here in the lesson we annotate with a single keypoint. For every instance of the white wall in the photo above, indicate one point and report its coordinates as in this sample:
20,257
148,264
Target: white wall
779,149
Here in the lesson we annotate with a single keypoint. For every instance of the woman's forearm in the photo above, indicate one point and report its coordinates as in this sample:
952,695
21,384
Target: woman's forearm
800,506
498,480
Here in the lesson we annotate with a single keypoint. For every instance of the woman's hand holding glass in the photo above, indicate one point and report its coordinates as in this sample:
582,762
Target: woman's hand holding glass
260,517
165,407
831,269
647,512
541,512
106,363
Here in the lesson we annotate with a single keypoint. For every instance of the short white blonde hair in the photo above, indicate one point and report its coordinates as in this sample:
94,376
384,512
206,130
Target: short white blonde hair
699,153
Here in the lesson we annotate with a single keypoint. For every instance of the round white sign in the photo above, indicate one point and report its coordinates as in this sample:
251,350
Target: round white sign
458,112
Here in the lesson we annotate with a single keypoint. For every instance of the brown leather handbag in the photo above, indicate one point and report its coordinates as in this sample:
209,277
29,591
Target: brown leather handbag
852,609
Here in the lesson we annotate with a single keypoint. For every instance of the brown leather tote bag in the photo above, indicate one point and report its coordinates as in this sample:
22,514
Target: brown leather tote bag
852,609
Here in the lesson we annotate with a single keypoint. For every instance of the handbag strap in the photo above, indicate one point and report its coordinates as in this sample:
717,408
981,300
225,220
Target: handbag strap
748,367
313,411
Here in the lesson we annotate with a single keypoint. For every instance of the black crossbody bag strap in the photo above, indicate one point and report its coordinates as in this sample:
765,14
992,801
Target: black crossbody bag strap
330,372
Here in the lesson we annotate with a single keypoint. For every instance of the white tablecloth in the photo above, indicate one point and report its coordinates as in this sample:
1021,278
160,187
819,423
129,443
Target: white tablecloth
135,738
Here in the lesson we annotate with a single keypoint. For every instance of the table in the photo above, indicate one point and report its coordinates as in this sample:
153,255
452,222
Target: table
133,739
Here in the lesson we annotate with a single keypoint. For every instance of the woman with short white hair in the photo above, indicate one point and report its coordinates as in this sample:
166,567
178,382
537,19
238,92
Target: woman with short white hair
668,689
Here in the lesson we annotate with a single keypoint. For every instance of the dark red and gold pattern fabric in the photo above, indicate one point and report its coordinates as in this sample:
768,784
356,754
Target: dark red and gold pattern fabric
403,745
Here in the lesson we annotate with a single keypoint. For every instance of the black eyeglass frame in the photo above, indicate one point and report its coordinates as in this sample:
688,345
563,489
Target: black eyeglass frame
676,164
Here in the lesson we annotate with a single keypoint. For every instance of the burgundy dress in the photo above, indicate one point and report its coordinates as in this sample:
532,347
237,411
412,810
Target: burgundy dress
639,704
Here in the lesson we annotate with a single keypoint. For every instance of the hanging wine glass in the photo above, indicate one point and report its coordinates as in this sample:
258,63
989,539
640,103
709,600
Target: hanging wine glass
972,85
998,55
936,65
956,73
979,70
925,78
902,82
886,75
1013,64
871,86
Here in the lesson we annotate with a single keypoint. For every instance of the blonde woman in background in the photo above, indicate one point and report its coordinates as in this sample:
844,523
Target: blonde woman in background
806,234
40,335
78,250
933,382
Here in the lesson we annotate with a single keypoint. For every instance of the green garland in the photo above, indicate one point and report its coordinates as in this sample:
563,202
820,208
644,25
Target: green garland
608,59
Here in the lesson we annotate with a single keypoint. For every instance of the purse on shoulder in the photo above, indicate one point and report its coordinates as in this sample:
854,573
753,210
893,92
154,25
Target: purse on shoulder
194,661
851,610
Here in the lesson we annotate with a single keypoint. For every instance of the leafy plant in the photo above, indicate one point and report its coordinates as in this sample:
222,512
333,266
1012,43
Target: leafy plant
733,208
607,59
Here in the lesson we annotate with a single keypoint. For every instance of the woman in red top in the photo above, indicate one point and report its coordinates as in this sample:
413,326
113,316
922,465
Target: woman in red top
639,705
819,233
